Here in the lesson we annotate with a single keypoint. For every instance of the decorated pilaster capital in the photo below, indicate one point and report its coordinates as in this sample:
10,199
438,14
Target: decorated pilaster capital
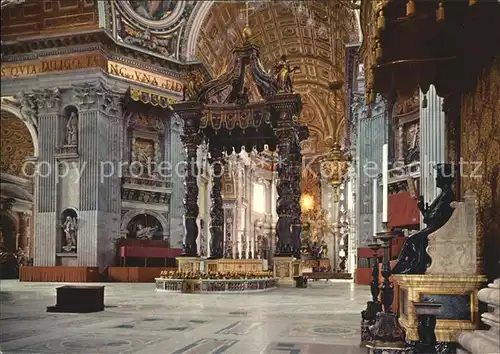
47,100
27,104
110,102
85,95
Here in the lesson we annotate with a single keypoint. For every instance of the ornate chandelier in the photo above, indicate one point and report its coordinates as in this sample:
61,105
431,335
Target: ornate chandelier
334,166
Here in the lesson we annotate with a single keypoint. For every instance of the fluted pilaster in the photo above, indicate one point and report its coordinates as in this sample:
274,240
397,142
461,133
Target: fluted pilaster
45,193
176,156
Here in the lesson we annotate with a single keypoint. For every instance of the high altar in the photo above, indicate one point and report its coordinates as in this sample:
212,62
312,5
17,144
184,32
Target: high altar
244,113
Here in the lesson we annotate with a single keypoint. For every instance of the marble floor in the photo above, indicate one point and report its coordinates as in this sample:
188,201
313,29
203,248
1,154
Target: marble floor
323,318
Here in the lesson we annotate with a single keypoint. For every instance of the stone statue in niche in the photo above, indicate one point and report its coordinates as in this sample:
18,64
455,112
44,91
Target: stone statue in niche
413,258
145,232
283,75
72,129
70,228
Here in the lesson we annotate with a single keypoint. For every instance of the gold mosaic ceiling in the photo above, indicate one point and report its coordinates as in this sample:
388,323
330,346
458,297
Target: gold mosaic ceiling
311,33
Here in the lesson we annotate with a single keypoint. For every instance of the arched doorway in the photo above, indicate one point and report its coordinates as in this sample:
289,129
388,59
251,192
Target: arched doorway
17,148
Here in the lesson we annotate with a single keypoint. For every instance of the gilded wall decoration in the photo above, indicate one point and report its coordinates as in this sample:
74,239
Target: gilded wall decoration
39,17
312,38
155,26
480,145
16,144
310,185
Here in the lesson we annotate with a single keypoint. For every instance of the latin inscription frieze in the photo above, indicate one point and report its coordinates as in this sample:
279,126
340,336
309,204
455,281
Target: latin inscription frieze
45,66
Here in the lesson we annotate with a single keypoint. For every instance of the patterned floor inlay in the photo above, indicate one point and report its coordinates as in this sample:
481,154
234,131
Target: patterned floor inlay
307,348
323,319
155,325
239,328
207,346
306,330
89,343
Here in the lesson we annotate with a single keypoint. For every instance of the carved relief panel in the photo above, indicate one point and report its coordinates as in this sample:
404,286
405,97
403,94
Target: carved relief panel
145,135
155,26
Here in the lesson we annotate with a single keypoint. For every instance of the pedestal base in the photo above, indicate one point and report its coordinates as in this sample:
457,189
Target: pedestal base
457,294
189,264
387,335
368,318
286,268
233,265
384,348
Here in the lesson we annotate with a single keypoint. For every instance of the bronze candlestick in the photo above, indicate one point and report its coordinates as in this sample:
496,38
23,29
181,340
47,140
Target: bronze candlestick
387,289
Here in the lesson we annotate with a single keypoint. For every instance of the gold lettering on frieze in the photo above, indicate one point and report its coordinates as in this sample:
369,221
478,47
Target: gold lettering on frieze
52,65
144,77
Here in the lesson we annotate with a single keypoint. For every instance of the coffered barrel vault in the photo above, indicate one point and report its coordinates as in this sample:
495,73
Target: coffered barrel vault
311,33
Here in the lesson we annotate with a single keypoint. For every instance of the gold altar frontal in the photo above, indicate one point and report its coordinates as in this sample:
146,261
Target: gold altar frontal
189,264
456,293
316,263
233,265
286,268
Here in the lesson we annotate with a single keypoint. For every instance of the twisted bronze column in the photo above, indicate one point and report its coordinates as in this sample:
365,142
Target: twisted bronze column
191,138
216,208
286,207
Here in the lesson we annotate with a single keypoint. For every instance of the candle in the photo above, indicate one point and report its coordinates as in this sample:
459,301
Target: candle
375,186
385,182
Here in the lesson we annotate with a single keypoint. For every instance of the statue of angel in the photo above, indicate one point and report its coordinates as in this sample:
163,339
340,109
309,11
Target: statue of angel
70,228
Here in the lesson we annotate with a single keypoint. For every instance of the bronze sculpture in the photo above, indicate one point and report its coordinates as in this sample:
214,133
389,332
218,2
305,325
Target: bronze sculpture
413,258
283,75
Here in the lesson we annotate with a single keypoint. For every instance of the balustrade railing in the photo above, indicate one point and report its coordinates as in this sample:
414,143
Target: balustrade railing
216,285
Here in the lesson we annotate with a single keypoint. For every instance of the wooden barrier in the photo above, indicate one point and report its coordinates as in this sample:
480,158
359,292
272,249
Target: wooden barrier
60,274
135,274
326,275
363,276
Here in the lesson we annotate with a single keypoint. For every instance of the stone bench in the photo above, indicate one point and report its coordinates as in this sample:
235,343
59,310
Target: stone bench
79,299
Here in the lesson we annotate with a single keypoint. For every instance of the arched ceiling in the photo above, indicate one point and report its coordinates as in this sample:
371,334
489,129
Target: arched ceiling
312,34
15,144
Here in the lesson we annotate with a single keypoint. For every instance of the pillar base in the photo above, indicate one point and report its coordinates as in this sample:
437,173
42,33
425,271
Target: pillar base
286,268
189,264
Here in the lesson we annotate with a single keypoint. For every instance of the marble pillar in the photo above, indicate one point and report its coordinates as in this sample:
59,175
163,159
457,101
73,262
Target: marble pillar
241,188
249,178
177,157
46,218
100,140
